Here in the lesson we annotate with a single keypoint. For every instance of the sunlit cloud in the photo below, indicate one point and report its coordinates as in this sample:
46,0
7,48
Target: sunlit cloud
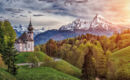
53,14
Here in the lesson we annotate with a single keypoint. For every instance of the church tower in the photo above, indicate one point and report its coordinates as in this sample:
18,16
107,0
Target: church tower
30,30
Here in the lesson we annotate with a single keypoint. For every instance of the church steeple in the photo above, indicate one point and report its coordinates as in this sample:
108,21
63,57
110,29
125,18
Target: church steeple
30,28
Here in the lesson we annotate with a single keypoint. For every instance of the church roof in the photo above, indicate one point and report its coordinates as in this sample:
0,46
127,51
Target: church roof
24,38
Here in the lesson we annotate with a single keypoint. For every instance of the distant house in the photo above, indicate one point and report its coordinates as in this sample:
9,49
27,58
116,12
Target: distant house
25,43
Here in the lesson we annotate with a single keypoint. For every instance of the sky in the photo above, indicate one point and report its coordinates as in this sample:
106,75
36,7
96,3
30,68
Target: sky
52,14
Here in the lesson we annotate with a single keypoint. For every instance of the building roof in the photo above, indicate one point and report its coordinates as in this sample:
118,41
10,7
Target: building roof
24,38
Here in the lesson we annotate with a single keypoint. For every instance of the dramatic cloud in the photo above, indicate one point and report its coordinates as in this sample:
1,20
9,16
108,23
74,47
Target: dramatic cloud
54,13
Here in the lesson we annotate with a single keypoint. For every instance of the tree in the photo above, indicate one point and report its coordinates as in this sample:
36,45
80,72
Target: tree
51,47
7,40
2,64
88,69
37,48
9,58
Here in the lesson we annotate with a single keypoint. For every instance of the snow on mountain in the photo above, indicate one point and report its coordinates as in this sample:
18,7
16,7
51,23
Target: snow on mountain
77,24
98,22
22,28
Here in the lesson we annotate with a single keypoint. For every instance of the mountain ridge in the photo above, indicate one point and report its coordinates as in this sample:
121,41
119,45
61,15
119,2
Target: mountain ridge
98,26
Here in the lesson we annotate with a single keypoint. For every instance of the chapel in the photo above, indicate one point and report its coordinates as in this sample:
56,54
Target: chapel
25,43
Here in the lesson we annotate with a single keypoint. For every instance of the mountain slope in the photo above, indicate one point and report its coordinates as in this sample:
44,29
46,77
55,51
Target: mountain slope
77,24
53,34
98,23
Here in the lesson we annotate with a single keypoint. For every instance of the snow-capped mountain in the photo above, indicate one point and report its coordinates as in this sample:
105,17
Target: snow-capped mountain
98,23
98,26
22,28
77,24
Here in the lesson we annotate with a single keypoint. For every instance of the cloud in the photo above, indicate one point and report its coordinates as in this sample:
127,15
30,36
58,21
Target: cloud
1,17
37,15
47,10
23,15
13,10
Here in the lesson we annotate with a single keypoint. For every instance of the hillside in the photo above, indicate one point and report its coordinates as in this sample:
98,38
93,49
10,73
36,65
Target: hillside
121,62
5,75
43,73
47,61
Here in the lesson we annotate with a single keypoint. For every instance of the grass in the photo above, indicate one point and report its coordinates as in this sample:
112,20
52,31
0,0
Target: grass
65,67
24,57
42,73
59,65
122,56
121,61
5,75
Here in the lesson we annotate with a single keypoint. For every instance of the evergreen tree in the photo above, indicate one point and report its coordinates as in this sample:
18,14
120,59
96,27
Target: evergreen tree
9,58
7,40
88,69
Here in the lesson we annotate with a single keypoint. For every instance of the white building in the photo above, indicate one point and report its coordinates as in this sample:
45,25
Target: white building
25,43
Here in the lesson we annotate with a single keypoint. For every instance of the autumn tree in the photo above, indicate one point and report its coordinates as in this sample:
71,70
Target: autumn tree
51,48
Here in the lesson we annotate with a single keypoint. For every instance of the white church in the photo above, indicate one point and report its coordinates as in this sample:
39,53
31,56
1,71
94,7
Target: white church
25,43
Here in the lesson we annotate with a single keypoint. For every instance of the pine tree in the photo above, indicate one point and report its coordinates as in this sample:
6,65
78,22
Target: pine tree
9,58
7,40
88,69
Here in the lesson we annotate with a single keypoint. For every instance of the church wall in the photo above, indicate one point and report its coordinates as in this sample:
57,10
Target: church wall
25,47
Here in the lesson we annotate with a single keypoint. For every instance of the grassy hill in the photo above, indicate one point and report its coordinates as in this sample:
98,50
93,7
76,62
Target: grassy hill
24,57
5,75
121,63
59,65
64,66
42,73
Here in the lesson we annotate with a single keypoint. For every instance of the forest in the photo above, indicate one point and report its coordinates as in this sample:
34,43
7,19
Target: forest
97,56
